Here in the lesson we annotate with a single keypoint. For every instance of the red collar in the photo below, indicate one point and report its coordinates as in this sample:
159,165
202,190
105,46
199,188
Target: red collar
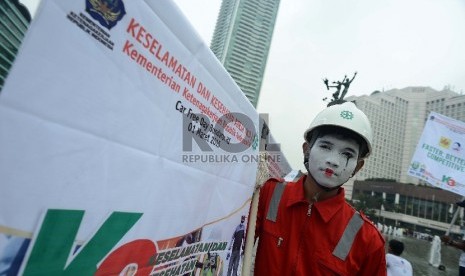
327,208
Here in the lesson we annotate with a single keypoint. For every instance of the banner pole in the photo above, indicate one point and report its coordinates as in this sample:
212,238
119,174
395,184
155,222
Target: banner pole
262,175
250,239
454,218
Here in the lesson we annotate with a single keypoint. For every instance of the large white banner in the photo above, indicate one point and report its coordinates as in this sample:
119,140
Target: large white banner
125,146
439,158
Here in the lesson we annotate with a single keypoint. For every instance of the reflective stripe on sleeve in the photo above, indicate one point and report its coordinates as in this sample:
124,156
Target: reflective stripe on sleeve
345,243
274,203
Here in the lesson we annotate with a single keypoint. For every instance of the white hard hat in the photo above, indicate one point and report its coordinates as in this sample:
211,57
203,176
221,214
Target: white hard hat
345,115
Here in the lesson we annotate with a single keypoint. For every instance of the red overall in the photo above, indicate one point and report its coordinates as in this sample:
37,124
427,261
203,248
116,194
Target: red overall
326,238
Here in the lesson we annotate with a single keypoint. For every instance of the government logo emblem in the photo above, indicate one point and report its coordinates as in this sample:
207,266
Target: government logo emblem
445,142
106,12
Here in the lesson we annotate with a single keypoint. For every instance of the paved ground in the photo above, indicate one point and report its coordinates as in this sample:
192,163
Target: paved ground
418,252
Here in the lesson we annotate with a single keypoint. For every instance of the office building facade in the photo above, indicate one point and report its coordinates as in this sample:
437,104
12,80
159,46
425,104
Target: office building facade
242,39
398,117
14,21
421,208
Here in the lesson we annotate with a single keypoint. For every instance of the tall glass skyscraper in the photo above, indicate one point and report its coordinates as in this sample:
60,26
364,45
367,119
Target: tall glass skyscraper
14,21
242,39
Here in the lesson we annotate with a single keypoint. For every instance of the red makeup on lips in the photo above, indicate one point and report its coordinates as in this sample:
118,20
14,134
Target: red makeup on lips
329,172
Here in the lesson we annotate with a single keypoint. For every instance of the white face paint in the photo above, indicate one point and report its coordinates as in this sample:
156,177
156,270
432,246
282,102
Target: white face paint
332,160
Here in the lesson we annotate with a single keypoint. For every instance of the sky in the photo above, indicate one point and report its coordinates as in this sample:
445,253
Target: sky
389,43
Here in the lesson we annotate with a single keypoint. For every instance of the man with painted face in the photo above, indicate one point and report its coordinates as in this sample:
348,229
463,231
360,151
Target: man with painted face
306,227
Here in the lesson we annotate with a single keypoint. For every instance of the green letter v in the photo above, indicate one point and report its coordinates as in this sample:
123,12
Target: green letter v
56,237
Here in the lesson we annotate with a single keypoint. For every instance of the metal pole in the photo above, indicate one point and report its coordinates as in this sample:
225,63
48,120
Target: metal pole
454,218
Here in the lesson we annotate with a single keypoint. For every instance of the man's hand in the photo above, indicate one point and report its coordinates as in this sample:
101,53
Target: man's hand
446,239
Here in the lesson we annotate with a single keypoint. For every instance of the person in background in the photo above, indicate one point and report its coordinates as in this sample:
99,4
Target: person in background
459,244
396,265
307,227
237,246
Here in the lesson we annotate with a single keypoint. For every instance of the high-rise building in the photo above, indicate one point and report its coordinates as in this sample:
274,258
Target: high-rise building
398,117
14,21
241,41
